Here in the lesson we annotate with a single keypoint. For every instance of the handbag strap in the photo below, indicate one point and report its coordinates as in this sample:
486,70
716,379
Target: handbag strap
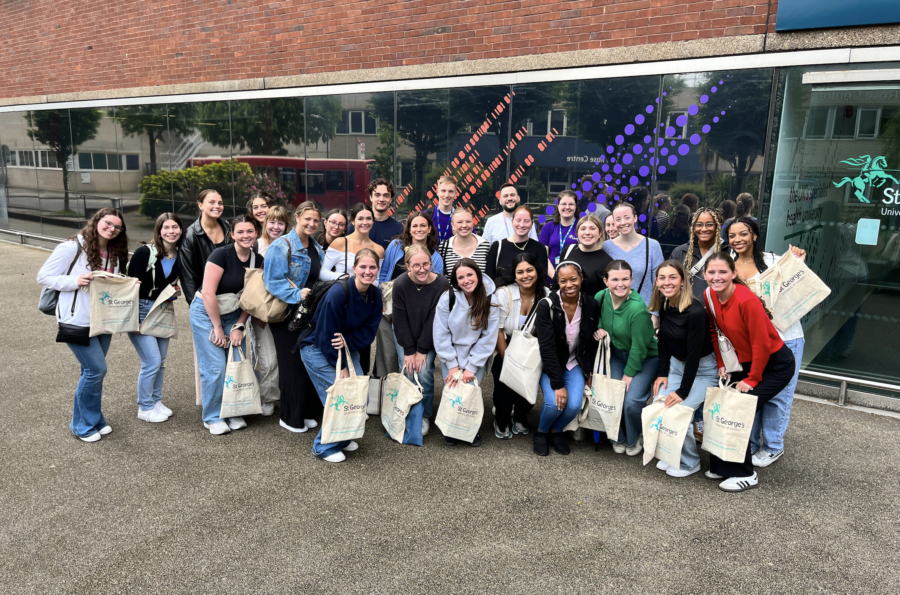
530,321
712,309
231,353
350,368
646,264
697,267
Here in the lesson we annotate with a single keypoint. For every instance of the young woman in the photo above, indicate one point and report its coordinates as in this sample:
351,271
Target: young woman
293,265
609,227
502,253
340,319
218,323
101,245
646,223
643,255
728,208
416,294
624,317
463,244
767,439
679,231
564,327
335,226
517,297
662,204
703,242
768,365
156,266
464,337
257,207
275,225
589,255
560,232
687,365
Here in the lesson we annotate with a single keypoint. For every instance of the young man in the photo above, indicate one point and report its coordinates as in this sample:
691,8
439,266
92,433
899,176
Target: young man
443,213
385,228
499,227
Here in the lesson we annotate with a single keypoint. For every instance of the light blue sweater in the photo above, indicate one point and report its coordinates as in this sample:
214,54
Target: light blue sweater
636,259
455,341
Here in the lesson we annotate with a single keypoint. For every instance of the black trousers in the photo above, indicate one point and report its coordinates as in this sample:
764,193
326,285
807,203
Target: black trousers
505,398
299,399
365,360
776,375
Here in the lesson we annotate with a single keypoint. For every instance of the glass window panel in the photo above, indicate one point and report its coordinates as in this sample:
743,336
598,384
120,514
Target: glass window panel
51,160
27,158
868,120
845,121
143,135
817,122
132,162
85,161
22,208
100,161
334,181
423,121
12,157
315,183
44,161
356,122
95,132
343,126
371,124
112,161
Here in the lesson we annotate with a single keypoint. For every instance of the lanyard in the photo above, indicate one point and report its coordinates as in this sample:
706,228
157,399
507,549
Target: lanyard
443,233
563,238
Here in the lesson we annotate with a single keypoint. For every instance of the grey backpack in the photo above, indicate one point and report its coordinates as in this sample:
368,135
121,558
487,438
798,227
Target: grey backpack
50,297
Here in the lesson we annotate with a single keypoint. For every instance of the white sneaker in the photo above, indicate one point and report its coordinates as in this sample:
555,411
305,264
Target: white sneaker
739,484
267,409
158,406
662,466
292,429
711,475
217,428
518,428
425,427
337,457
764,458
354,445
618,448
92,438
494,411
236,423
679,472
311,423
152,415
633,451
105,430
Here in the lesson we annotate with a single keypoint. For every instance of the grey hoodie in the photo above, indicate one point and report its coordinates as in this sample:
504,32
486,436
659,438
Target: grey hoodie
455,341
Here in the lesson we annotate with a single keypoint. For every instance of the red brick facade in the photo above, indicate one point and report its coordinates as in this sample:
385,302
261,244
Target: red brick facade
62,47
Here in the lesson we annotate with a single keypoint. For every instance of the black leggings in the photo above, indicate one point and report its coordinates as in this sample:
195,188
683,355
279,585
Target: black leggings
299,399
506,398
776,375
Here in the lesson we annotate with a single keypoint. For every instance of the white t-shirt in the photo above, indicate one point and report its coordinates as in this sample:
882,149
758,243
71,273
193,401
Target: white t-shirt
499,227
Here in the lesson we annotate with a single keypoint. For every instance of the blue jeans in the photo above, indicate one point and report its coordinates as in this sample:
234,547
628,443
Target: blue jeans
630,428
211,359
552,418
322,375
772,421
707,376
426,379
152,351
87,418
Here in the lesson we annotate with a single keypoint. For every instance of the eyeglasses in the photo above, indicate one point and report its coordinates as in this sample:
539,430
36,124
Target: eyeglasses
700,225
111,225
337,224
421,267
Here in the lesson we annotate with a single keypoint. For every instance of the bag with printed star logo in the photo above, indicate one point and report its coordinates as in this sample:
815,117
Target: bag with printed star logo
345,404
607,397
399,395
461,410
241,393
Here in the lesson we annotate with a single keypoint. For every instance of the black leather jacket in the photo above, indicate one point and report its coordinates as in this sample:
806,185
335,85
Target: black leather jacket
551,334
195,249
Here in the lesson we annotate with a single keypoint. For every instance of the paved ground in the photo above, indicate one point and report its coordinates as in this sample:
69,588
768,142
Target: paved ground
170,508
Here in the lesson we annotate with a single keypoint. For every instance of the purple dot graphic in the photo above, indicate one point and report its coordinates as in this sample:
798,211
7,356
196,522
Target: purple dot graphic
644,171
662,142
650,107
633,180
665,93
617,168
650,150
542,219
639,119
648,139
653,161
673,142
596,177
706,128
670,131
573,186
629,129
704,98
638,149
610,149
613,160
583,214
681,120
627,159
644,231
578,193
608,178
716,119
620,139
550,209
662,169
624,190
642,218
692,110
672,160
721,82
664,151
601,200
695,139
586,185
714,89
723,112
592,207
605,167
683,150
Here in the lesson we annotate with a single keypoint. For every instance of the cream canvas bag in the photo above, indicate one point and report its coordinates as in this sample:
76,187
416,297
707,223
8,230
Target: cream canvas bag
461,410
727,421
387,299
241,393
670,428
651,420
160,320
522,364
606,397
399,396
114,304
345,404
789,289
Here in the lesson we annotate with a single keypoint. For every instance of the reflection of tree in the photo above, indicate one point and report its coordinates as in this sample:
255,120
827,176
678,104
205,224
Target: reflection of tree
63,131
136,120
739,136
384,154
604,107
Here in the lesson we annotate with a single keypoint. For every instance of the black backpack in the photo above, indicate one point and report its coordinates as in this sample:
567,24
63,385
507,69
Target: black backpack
305,318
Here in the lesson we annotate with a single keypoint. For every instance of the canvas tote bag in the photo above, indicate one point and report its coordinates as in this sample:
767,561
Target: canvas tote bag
670,428
522,365
461,410
345,404
727,421
399,396
256,299
160,320
387,299
789,289
114,304
607,396
651,420
241,393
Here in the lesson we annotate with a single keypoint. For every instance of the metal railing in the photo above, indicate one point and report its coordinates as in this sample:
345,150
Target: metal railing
846,381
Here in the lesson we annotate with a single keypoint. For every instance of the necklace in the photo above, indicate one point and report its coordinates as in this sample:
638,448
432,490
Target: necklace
522,247
745,261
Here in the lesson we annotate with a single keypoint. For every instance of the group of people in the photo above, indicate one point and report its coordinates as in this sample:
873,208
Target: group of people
454,297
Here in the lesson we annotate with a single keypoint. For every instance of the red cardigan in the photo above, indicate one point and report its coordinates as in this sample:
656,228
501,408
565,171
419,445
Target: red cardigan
744,321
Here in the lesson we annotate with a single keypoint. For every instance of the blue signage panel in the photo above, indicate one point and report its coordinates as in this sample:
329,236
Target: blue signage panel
822,14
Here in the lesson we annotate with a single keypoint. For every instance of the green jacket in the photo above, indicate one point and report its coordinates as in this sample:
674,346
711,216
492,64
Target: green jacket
630,328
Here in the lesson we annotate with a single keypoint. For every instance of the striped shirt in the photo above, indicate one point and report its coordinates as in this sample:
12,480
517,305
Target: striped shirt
451,257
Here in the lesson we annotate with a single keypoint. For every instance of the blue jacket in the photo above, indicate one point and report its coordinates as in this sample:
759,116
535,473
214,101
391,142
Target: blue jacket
276,271
394,253
358,322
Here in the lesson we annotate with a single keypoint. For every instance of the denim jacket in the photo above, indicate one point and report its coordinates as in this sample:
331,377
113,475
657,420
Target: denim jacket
277,272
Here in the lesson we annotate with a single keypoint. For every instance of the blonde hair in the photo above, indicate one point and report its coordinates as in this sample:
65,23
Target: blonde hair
446,180
276,213
412,250
307,206
685,298
591,218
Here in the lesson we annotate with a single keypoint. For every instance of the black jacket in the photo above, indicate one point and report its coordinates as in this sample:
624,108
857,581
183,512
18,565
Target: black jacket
195,249
551,336
137,267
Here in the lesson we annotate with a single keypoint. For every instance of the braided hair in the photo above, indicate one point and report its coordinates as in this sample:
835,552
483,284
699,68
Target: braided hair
716,214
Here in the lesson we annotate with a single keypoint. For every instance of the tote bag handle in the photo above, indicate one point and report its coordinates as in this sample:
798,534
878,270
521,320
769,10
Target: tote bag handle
350,368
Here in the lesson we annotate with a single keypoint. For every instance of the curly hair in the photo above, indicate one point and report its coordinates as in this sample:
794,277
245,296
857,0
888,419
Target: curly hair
757,250
717,218
116,248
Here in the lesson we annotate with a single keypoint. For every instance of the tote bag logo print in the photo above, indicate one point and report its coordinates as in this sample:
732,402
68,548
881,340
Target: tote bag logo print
456,401
229,382
338,402
107,300
714,414
656,423
393,394
714,410
104,295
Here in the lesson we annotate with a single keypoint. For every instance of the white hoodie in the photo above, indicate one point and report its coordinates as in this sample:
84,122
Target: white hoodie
455,341
53,276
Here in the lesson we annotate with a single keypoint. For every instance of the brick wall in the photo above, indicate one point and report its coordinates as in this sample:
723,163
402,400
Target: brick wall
62,47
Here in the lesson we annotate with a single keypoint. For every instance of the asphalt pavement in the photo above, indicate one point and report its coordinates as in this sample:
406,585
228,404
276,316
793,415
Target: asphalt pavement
169,508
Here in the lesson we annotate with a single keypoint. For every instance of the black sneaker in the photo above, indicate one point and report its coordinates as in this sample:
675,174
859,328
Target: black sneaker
559,443
540,444
477,441
450,441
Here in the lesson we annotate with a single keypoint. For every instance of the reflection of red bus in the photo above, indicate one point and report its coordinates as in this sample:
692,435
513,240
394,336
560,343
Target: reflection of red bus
329,182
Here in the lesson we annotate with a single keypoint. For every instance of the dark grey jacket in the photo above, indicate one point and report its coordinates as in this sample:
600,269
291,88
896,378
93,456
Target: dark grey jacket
195,249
